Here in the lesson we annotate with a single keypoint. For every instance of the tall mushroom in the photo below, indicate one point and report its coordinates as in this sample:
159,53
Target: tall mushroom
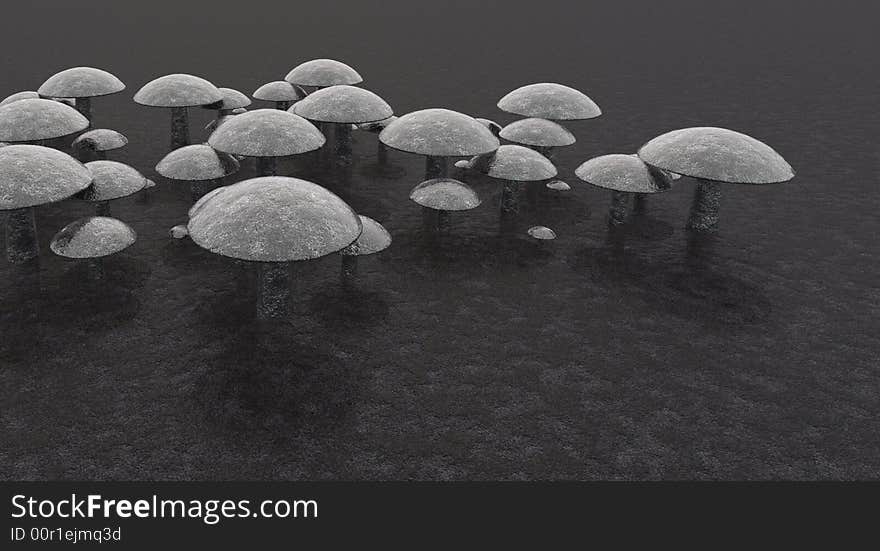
81,84
280,92
98,142
198,164
513,164
177,92
93,238
626,176
32,175
444,196
266,134
111,180
273,220
36,120
438,134
713,156
373,239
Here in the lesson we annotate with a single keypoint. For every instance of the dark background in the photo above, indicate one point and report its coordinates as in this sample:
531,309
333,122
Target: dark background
752,354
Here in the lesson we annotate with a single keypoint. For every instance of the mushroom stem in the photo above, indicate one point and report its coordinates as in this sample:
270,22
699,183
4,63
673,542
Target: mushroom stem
283,105
343,140
509,199
102,208
84,106
620,207
382,154
444,221
349,267
266,166
179,127
435,167
197,188
96,268
273,296
21,235
640,203
704,210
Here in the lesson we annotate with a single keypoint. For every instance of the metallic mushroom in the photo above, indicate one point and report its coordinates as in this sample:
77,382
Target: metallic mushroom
81,84
280,92
322,73
273,220
111,180
541,233
547,100
26,94
266,134
540,134
35,120
198,164
93,238
443,196
177,92
99,142
513,164
373,239
32,175
712,156
232,101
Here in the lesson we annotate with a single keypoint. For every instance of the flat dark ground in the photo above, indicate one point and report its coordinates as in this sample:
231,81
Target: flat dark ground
752,354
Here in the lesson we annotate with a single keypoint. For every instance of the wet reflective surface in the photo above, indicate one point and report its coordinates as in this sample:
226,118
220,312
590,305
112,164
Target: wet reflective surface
479,352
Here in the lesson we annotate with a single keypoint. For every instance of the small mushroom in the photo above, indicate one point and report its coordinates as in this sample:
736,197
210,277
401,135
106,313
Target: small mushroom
282,93
558,185
198,164
32,175
541,135
714,156
493,126
266,134
93,238
98,142
35,120
548,100
111,180
81,84
373,239
321,73
438,134
443,196
542,233
177,92
272,221
26,94
513,164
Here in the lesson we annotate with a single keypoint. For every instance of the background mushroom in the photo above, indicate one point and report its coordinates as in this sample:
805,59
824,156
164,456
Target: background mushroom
32,175
198,164
177,92
712,156
443,196
81,84
26,94
548,100
493,126
266,134
98,142
232,100
438,134
215,124
93,238
35,120
542,135
321,73
111,180
513,164
382,166
541,233
373,239
273,221
280,92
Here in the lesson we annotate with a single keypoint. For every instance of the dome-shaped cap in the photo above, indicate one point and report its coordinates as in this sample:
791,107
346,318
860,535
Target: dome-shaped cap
343,104
373,239
625,173
547,100
273,219
102,139
279,90
717,154
81,82
537,133
266,133
92,237
39,119
445,194
515,163
323,72
33,175
197,162
112,180
439,133
542,233
179,90
233,99
26,94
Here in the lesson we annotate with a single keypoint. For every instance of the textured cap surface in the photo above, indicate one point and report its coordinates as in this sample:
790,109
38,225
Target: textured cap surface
39,119
266,133
445,194
81,82
440,133
515,163
178,90
548,100
92,237
343,104
625,173
102,139
373,239
197,162
537,133
112,180
33,175
323,72
279,90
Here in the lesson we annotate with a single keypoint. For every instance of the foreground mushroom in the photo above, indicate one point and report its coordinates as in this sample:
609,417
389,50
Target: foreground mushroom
32,175
198,164
513,164
177,92
273,221
111,180
36,120
714,156
626,176
93,238
81,84
266,134
321,73
98,142
438,134
373,239
444,196
282,93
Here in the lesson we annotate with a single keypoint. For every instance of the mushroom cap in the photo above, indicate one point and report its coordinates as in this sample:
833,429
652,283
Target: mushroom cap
197,162
39,119
548,100
279,90
717,154
32,175
445,194
26,94
102,139
80,82
439,133
542,232
112,180
266,133
537,133
558,185
92,237
343,104
323,72
273,219
625,173
233,99
373,239
515,163
178,90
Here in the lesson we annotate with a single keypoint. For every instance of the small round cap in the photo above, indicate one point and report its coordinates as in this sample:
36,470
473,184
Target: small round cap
102,139
548,100
542,233
112,180
343,104
266,133
323,72
515,163
233,99
279,90
92,237
178,90
537,133
32,175
81,82
196,163
39,119
439,133
445,194
373,239
625,173
558,185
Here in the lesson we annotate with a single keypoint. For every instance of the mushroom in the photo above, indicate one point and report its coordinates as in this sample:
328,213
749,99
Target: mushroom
321,73
215,124
177,92
558,185
266,134
373,239
232,100
98,142
273,220
712,156
493,126
35,120
26,94
281,92
81,84
382,165
443,196
542,233
437,134
198,164
542,135
547,100
111,180
93,238
513,164
32,175
626,176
